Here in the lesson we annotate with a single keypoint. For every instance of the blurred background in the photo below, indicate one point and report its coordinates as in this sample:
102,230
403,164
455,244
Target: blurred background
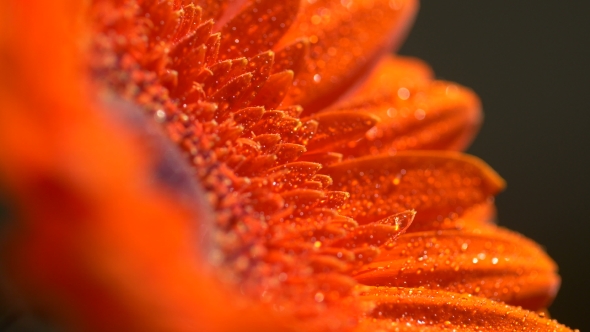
530,64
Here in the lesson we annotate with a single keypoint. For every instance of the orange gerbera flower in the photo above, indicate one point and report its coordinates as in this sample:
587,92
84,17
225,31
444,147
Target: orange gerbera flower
220,165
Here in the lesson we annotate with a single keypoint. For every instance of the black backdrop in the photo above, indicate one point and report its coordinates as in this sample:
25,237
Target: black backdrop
529,63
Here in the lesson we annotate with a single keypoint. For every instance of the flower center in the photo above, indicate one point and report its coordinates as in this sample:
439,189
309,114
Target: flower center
278,230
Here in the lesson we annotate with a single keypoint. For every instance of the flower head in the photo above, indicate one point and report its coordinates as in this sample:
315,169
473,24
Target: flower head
220,165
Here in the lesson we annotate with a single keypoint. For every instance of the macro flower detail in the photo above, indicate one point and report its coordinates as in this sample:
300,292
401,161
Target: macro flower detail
183,165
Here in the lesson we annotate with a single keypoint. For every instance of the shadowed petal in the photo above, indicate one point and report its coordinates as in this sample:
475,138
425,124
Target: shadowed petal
404,309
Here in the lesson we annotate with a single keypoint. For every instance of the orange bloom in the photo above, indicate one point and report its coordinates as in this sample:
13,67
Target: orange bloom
219,165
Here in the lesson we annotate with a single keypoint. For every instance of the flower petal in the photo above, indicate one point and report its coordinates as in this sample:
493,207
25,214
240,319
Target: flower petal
274,90
416,112
404,309
488,262
291,57
337,127
346,38
257,28
437,184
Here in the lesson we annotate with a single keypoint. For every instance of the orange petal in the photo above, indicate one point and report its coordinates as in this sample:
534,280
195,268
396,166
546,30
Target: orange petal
274,90
382,232
406,309
485,213
476,216
417,113
391,71
189,59
291,57
437,184
488,262
260,67
346,38
338,127
257,28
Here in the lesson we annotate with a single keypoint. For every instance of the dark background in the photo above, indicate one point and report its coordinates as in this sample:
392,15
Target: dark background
529,63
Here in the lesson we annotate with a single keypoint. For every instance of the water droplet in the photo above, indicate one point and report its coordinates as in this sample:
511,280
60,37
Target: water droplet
420,114
400,221
391,112
403,93
160,115
319,297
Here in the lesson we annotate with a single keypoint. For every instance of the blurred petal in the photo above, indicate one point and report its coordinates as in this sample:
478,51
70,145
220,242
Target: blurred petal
105,237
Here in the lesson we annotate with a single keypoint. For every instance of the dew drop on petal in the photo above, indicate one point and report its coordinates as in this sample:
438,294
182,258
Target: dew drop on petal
319,297
391,112
400,221
419,114
403,93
